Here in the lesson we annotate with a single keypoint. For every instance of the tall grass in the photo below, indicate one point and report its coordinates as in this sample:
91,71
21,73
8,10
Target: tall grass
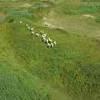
31,71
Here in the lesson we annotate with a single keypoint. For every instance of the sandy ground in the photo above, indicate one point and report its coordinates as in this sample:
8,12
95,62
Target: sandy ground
89,16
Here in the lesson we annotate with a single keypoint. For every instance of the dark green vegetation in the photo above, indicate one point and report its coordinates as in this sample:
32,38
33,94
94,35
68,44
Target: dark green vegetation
30,71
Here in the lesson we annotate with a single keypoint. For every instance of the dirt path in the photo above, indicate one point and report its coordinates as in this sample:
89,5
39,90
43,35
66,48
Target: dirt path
78,24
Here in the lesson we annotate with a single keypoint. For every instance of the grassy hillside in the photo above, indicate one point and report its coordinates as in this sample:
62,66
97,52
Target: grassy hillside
31,71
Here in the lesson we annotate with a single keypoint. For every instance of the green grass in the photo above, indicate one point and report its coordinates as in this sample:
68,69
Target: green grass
31,71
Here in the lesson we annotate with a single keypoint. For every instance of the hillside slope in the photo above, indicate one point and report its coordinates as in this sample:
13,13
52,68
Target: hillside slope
31,71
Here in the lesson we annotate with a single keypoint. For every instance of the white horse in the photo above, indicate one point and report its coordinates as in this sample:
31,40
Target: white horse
48,45
32,29
44,35
27,25
50,40
52,45
37,34
54,42
20,22
33,32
